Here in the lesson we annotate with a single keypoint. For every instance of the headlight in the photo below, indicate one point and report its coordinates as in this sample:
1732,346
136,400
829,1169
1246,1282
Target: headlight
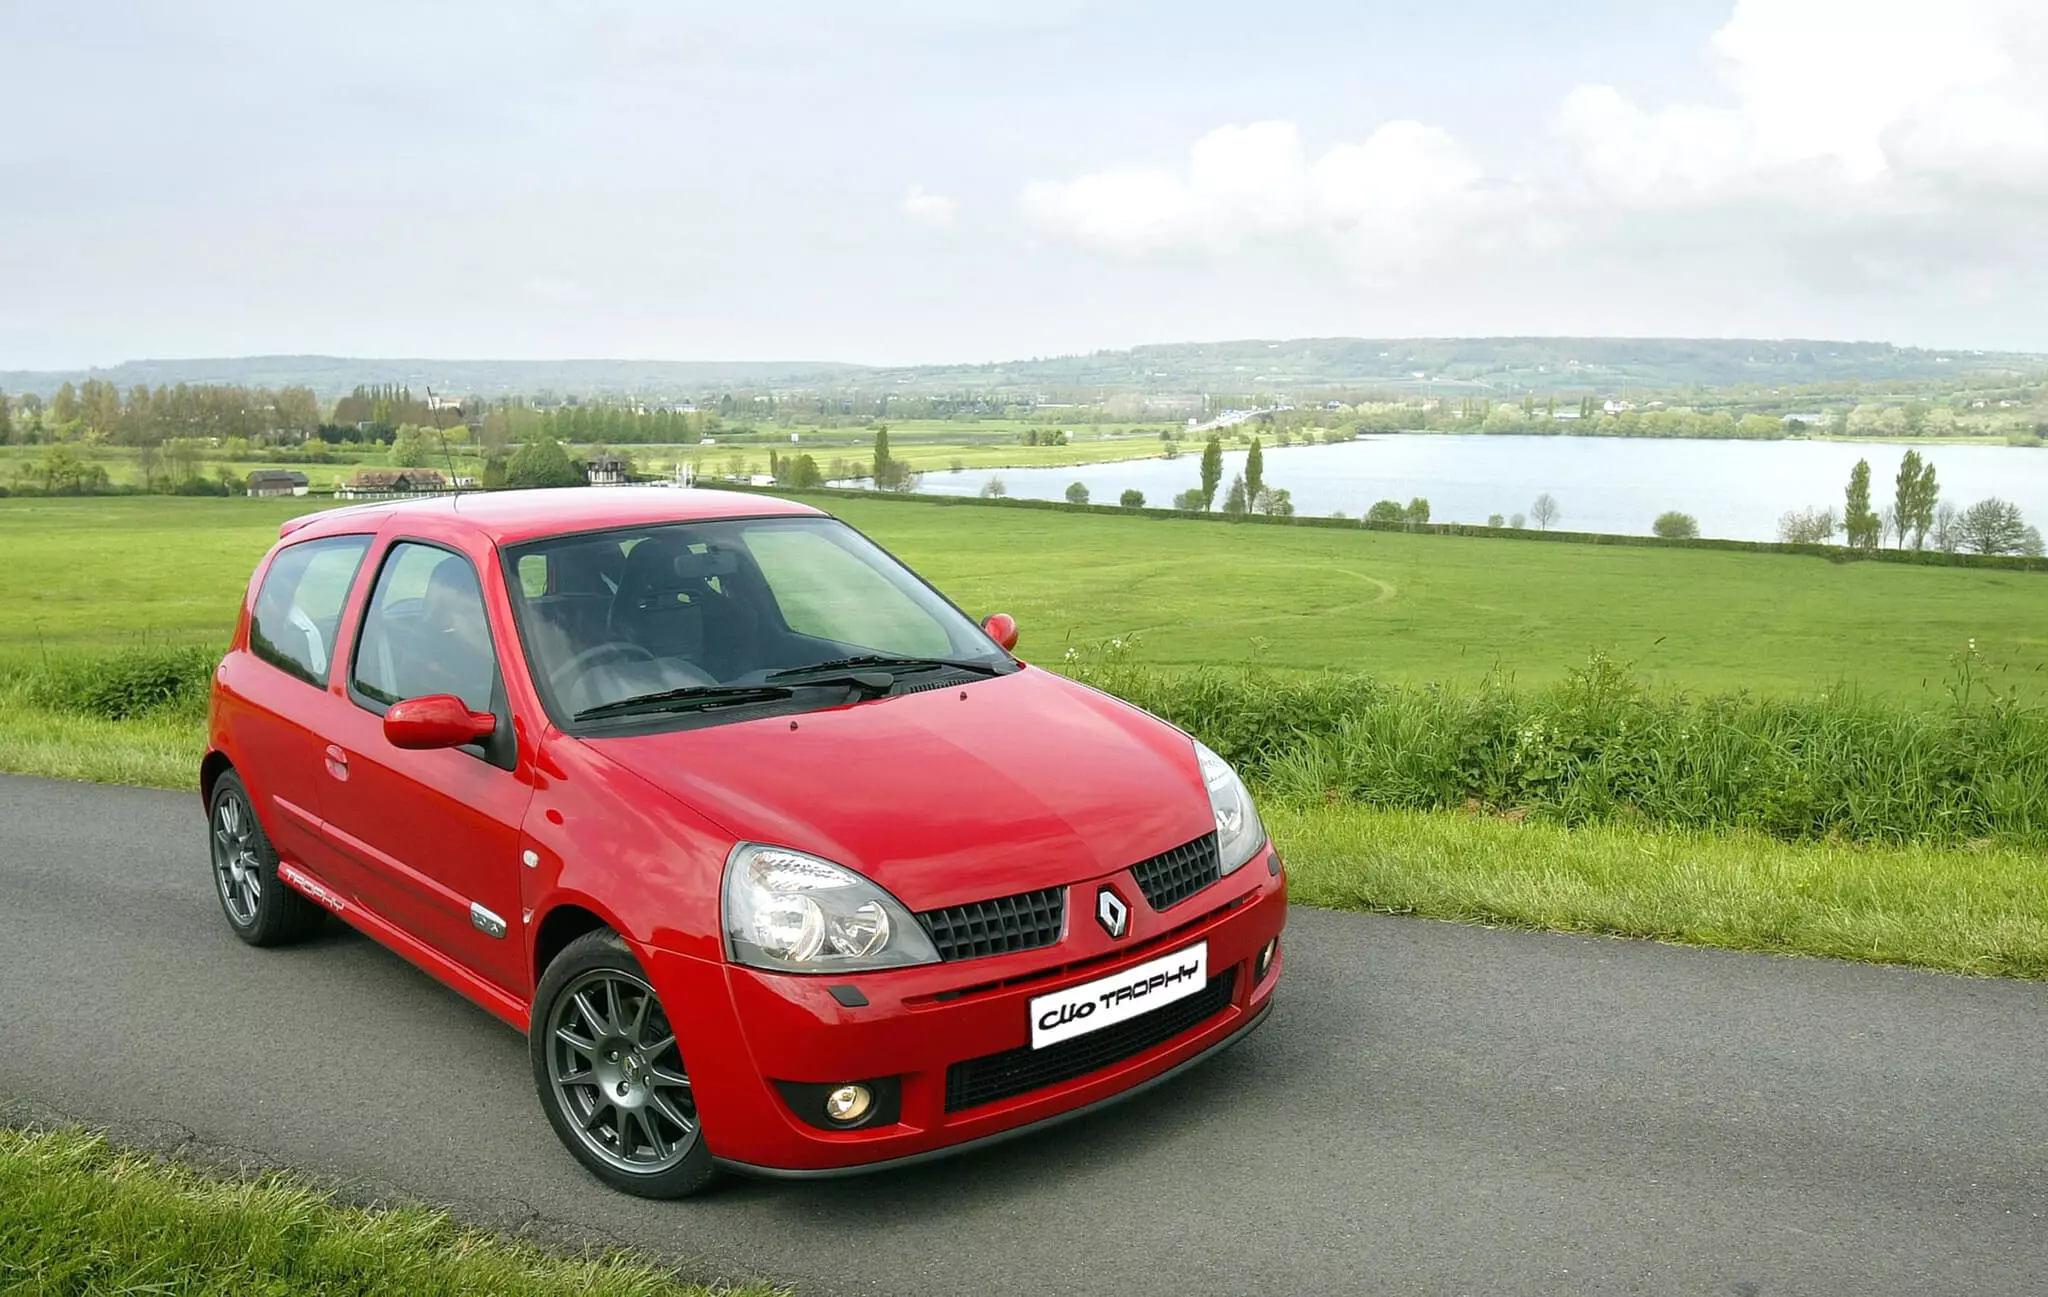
1239,835
794,913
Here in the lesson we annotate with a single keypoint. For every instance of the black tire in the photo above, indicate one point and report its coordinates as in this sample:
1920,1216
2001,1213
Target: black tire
259,908
610,1073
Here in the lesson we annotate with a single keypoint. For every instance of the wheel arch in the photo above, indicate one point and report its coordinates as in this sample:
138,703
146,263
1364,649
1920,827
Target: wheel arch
211,768
564,920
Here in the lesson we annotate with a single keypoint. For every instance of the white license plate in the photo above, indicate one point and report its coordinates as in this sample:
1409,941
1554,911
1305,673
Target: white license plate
1107,1001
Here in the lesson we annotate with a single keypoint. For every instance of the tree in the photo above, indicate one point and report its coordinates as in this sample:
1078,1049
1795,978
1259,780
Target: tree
1516,522
1190,500
1914,499
1254,471
1077,493
411,448
1388,511
63,471
1212,472
891,474
1860,527
2030,543
542,462
1495,520
1132,499
64,405
1236,504
1275,502
1944,534
1417,511
1673,525
994,489
804,472
1807,527
1545,511
1992,526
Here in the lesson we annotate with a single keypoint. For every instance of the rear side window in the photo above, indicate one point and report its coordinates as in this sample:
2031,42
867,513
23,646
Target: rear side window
298,607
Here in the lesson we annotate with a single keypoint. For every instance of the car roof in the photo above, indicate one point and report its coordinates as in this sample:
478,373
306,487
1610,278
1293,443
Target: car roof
508,517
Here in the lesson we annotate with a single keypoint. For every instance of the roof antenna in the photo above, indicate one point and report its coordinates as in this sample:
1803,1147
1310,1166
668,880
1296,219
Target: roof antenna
434,407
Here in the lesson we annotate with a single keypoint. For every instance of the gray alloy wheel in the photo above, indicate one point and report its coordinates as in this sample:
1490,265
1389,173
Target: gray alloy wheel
236,870
611,1075
260,910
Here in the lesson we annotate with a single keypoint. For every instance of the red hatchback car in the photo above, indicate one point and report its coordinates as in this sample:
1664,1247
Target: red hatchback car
782,863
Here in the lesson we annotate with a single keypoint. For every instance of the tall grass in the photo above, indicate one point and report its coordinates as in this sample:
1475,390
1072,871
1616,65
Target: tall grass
1602,747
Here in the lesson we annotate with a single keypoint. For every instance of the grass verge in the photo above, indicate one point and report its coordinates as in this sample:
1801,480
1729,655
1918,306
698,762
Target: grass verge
151,751
79,1216
1956,909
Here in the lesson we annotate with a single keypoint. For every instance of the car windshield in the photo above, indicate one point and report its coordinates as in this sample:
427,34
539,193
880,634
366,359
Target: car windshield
703,615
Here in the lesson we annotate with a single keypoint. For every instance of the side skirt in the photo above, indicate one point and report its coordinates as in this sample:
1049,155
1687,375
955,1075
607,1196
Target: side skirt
514,1011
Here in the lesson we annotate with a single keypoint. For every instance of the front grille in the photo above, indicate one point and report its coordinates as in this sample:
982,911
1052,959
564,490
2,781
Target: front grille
976,1081
1008,923
1171,877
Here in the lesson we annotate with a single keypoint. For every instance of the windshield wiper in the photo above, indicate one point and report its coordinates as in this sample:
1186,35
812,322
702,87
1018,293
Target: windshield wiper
690,698
883,662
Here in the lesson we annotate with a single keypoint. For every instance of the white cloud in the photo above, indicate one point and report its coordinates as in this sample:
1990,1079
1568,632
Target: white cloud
1833,98
1404,191
935,211
1864,134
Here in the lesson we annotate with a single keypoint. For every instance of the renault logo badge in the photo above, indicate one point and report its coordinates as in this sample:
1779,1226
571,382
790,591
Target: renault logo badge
1112,912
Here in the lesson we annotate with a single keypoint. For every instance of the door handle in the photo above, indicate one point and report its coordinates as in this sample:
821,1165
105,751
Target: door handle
337,763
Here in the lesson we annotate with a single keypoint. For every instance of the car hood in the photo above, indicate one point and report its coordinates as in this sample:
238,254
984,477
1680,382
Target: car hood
954,794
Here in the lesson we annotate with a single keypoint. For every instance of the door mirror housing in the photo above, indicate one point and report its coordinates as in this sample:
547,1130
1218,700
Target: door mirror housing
436,721
1002,628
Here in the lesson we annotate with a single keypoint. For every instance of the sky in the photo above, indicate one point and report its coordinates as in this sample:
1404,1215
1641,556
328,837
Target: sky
906,181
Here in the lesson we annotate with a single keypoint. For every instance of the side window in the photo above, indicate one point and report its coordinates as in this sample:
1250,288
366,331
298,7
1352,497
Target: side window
298,609
826,592
426,631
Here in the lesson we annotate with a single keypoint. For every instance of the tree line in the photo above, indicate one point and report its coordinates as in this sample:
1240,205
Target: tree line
1916,517
98,413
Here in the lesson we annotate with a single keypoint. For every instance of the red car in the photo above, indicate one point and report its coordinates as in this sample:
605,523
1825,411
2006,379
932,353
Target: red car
782,863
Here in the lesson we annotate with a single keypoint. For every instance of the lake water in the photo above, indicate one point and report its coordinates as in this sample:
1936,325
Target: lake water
1737,489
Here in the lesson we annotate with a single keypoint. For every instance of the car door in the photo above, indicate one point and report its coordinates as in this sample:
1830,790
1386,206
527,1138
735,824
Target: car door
273,707
435,833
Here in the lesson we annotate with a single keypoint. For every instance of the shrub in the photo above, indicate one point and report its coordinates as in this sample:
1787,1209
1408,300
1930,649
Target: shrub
139,682
1673,525
1077,493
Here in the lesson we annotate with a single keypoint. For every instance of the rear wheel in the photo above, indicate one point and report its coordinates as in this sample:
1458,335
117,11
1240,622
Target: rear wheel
610,1074
261,910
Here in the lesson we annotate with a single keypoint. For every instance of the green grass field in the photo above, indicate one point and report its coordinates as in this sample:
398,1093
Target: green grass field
78,1216
95,575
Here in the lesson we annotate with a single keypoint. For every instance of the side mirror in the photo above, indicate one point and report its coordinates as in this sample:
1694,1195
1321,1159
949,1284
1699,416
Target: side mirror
436,721
1002,628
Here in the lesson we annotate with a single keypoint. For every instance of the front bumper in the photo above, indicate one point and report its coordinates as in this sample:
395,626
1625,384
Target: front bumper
752,1028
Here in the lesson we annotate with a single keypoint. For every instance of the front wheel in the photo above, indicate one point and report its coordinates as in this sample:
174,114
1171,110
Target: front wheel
611,1076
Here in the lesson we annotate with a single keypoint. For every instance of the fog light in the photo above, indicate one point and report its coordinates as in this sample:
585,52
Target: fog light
1266,959
848,1104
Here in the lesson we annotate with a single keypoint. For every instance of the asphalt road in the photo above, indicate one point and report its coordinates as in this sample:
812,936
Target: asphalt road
1431,1109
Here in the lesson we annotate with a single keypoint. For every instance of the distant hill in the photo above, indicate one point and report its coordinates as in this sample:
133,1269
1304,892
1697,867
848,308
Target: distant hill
1256,365
1477,364
337,375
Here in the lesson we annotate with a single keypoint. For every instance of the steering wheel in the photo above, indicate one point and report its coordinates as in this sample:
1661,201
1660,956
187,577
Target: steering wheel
623,650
